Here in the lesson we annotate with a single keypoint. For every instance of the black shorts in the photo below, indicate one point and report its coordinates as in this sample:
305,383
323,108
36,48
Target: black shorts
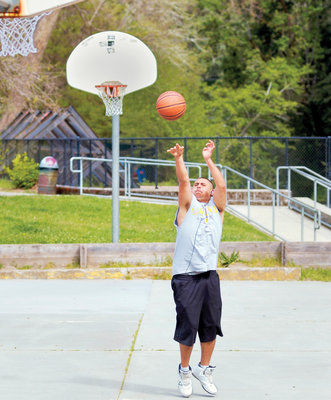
198,306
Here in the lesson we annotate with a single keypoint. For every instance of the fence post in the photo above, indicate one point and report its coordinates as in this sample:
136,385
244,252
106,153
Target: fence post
78,155
273,213
286,155
248,201
328,154
155,170
70,157
131,148
65,160
251,160
6,154
39,151
286,152
90,169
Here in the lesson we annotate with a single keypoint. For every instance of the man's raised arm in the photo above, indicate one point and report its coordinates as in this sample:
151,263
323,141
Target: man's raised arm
184,190
219,194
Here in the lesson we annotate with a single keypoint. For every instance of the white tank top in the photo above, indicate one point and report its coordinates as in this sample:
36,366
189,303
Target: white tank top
198,239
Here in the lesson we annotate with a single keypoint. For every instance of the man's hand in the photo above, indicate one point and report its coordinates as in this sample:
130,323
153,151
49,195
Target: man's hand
176,151
208,150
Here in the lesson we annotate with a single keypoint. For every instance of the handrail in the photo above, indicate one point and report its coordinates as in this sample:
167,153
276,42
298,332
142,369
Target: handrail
311,172
128,161
316,213
317,180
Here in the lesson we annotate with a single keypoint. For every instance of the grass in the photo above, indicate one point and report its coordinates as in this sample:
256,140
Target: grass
25,267
316,274
80,219
264,262
7,186
121,265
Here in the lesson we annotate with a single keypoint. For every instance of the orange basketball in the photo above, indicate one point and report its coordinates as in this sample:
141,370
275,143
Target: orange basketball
171,105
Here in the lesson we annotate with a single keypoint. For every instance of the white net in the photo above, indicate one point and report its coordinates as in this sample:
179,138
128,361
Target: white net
16,35
112,95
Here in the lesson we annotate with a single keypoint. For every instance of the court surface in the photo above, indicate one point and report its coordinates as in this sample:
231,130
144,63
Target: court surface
73,339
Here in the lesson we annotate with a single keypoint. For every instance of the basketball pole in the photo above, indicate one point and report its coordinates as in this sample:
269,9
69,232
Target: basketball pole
123,58
115,176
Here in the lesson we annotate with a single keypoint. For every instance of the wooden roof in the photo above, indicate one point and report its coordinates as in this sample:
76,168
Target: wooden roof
62,124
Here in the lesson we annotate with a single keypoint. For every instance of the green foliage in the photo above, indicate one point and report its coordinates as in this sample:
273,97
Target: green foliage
225,260
267,53
24,172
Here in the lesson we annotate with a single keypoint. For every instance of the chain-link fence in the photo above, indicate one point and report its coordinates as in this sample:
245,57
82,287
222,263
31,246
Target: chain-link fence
257,157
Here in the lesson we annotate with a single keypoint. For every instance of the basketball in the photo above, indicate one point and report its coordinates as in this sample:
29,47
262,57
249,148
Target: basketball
171,105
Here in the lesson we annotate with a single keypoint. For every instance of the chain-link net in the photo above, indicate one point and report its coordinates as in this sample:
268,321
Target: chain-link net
112,94
16,35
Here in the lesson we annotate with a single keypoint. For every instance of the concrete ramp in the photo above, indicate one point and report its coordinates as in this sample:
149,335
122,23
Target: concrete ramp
287,223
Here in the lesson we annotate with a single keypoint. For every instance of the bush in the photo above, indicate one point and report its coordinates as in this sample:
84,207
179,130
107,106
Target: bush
24,173
225,260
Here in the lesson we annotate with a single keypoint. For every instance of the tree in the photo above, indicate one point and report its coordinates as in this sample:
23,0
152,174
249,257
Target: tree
241,39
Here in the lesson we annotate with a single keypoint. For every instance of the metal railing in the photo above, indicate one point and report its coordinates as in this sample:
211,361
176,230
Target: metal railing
275,193
317,179
311,175
126,172
130,161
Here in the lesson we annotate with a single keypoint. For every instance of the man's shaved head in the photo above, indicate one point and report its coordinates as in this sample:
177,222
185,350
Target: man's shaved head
206,179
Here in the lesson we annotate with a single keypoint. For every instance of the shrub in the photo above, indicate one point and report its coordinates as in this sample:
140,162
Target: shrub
225,260
24,172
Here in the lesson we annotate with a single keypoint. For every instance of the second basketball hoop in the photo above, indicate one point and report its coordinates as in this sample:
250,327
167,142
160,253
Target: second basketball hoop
18,22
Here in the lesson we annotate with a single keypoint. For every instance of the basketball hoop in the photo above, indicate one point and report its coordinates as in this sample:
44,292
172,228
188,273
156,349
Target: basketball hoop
16,35
112,93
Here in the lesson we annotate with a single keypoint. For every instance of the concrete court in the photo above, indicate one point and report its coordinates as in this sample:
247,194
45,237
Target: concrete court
72,339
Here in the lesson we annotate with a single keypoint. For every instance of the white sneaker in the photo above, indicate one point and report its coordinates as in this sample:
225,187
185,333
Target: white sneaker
206,379
185,382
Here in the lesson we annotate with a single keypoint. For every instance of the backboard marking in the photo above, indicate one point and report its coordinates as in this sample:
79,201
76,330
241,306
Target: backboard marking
25,8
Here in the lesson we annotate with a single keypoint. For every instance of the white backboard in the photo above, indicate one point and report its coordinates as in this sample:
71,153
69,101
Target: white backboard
111,56
23,8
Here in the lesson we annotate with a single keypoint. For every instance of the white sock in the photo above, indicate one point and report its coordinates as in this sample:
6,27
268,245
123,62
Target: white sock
184,369
203,366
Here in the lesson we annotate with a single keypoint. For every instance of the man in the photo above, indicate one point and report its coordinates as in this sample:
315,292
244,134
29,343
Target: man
195,282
